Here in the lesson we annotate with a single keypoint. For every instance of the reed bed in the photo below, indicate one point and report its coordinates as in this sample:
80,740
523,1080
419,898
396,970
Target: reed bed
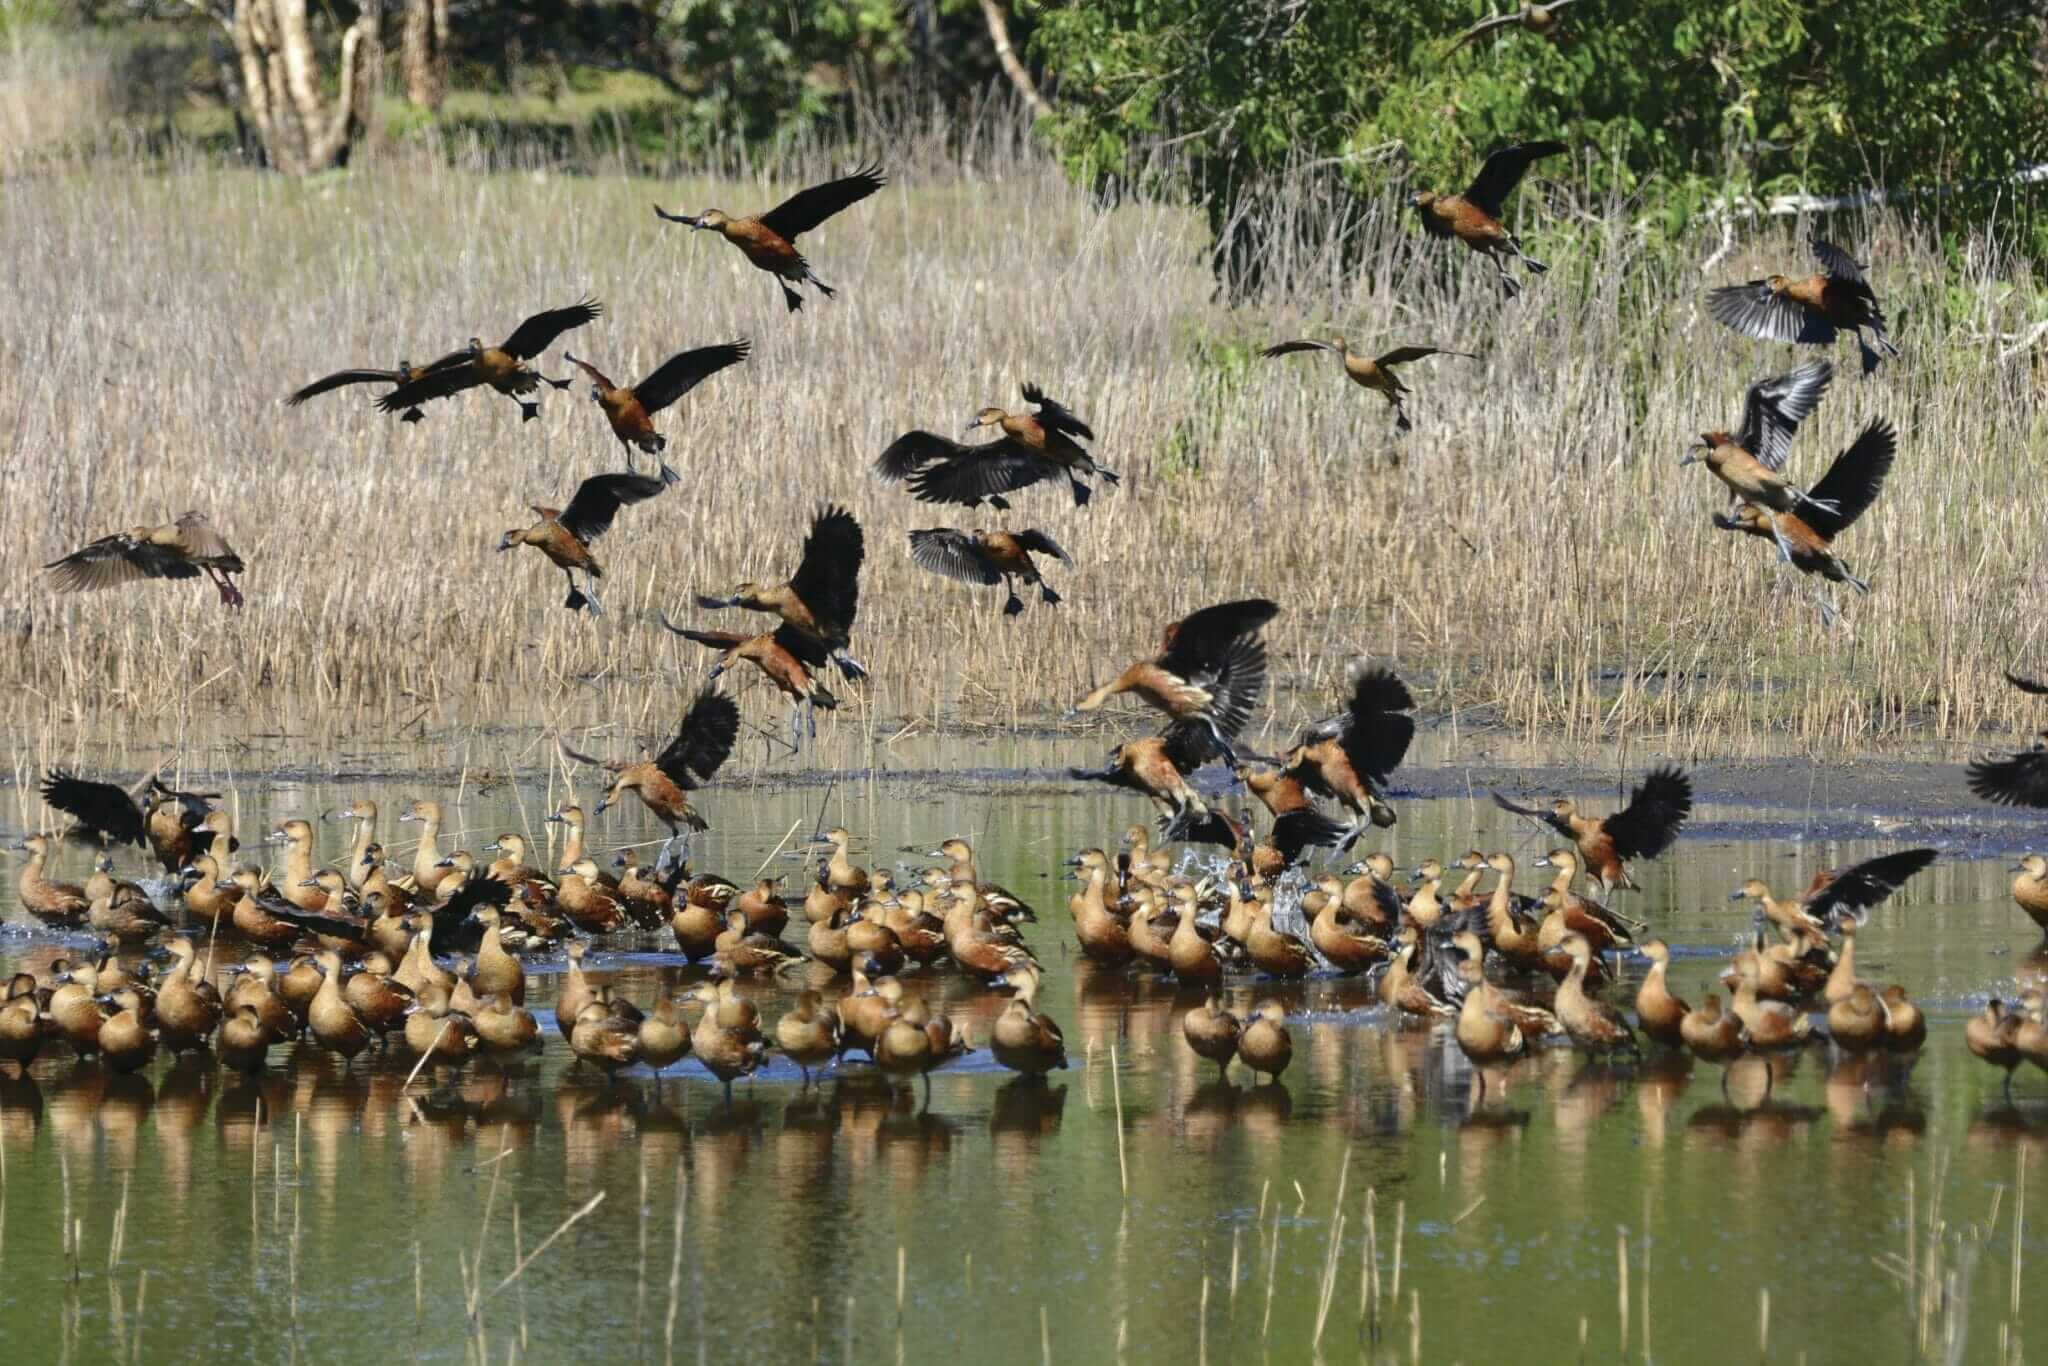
1531,554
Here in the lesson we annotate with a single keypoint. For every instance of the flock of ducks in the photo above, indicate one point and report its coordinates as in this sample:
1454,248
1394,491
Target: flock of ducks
427,961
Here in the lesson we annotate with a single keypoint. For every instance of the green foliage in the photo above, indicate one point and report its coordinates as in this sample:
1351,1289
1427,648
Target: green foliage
1670,103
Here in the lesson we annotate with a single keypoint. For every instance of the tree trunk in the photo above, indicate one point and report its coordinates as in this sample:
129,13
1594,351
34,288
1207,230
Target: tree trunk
424,52
281,83
999,34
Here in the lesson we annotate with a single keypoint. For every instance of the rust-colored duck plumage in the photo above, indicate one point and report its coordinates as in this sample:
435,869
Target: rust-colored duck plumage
768,240
631,410
1031,448
1810,311
1349,756
1371,372
785,656
183,549
1474,216
503,367
989,557
1643,829
1210,671
564,534
663,783
1806,537
821,598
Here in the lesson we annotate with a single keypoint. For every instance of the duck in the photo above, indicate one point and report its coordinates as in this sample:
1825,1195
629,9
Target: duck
818,603
727,1038
1713,1035
916,1042
1474,217
865,1011
60,904
750,952
605,1036
184,549
1025,1039
2031,1036
808,1034
2030,890
1191,956
1768,1024
502,367
496,973
990,557
1375,373
334,1022
1837,894
1805,538
1659,1013
188,1008
785,657
1532,1022
630,411
75,1008
1605,845
576,991
255,989
1484,1035
1592,1024
1993,1036
1856,1022
664,1034
1812,310
1264,1045
582,896
1212,1032
1030,448
428,870
768,240
125,1043
565,535
380,1001
245,1039
1349,948
361,815
1273,952
436,1031
503,1028
1209,672
701,745
22,1025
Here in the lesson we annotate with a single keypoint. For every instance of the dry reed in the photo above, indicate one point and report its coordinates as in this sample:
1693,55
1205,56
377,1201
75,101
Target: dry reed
1530,551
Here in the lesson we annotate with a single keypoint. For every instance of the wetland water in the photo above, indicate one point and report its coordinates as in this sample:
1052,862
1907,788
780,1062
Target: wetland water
331,1217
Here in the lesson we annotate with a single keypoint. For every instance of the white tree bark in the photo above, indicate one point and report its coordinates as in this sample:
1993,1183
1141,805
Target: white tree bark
999,34
301,129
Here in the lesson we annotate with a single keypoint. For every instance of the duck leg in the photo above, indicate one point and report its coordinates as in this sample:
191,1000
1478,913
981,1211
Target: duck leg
1016,604
1046,595
576,601
528,411
795,302
823,288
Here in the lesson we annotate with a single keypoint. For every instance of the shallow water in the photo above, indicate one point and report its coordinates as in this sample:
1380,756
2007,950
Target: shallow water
334,1216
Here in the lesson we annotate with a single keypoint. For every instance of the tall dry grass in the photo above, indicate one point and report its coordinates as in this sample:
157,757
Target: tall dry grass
1530,554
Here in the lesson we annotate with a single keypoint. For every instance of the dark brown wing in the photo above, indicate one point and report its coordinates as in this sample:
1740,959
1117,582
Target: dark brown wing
980,474
828,577
1773,409
1235,682
1755,311
117,559
204,545
538,333
952,553
1038,542
2026,685
1549,818
1401,355
454,930
102,807
1055,416
1199,640
806,209
1852,482
1837,264
1863,885
706,738
686,370
1188,745
1375,733
1290,347
1649,823
598,500
911,451
811,652
2019,780
721,640
339,379
448,376
1298,830
1503,171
